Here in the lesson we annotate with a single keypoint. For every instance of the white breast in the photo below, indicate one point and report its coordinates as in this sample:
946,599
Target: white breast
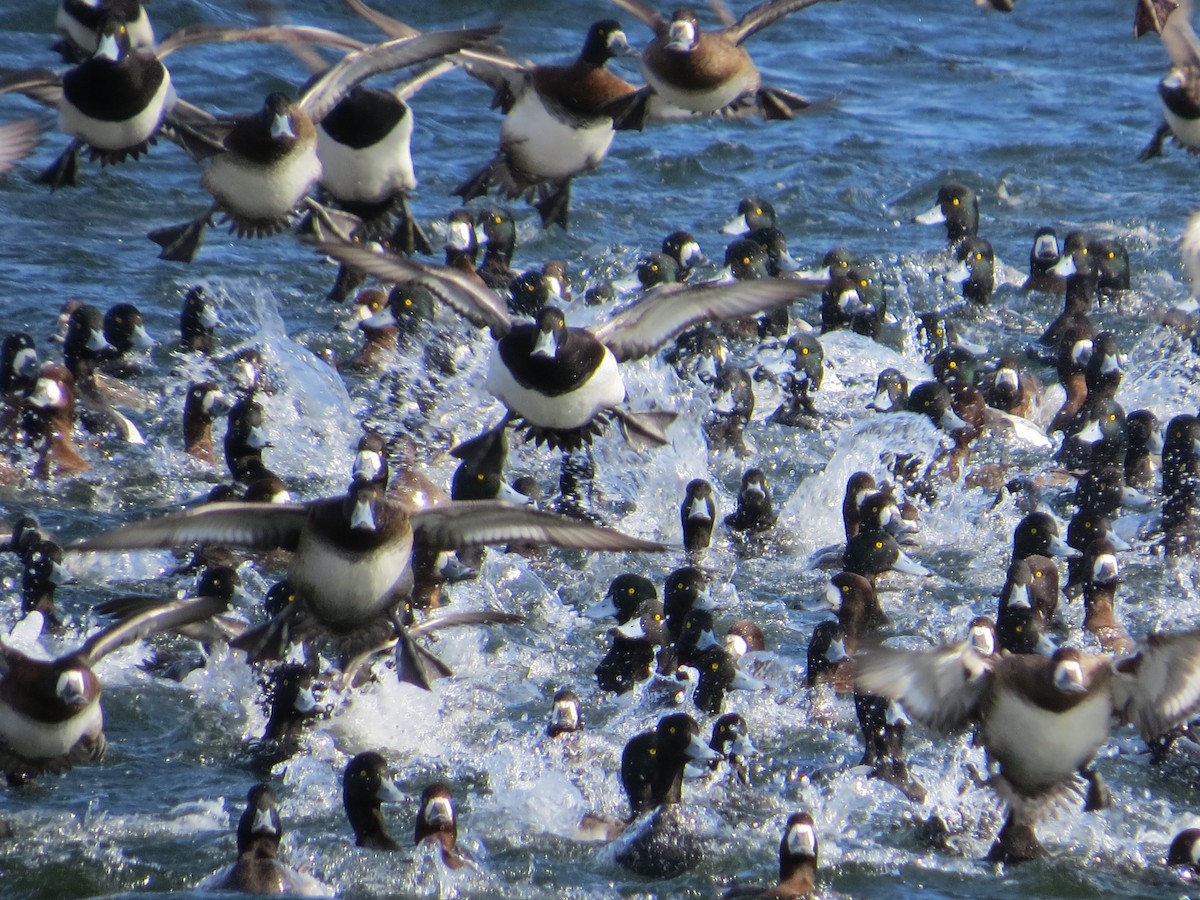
603,390
252,191
42,741
347,588
546,148
105,135
372,174
1037,748
705,100
1186,130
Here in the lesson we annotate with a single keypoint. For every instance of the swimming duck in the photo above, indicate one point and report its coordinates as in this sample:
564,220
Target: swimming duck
555,126
259,868
1044,255
437,824
697,514
731,411
754,513
705,71
975,270
263,164
50,423
205,401
365,788
563,384
891,392
797,863
731,739
957,206
565,714
631,658
652,768
625,595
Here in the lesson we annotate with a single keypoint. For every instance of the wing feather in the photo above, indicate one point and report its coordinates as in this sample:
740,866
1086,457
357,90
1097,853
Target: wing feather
1160,686
764,14
477,304
940,688
164,617
473,523
325,93
646,13
263,34
666,311
261,526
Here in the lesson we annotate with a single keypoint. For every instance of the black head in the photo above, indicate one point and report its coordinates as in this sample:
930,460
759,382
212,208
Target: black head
798,847
1037,533
605,40
628,592
746,259
218,581
891,392
684,249
365,787
371,459
655,269
18,362
955,365
1045,251
826,650
1185,849
197,321
528,294
436,814
125,328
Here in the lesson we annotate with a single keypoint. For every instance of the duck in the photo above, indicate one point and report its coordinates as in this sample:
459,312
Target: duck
975,270
84,347
631,658
754,213
1099,576
42,573
198,322
797,863
956,206
828,663
50,423
731,739
891,392
1171,20
799,380
78,24
352,554
51,717
754,512
500,242
562,384
566,716
292,704
365,788
1038,534
1028,703
697,514
1185,850
556,123
437,825
662,844
205,401
1044,255
1020,624
744,636
625,594
732,408
259,868
718,673
683,248
1012,389
1143,456
705,71
18,375
260,166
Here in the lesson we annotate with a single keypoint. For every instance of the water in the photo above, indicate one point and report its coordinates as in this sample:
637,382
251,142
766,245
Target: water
1042,113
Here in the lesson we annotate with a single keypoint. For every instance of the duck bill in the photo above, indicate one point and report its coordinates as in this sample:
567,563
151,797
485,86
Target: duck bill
743,746
632,630
263,823
951,421
363,516
439,813
736,225
1105,568
932,216
564,716
1065,266
906,564
704,600
281,128
959,273
368,464
836,652
602,609
389,793
1018,597
545,345
306,701
698,751
1059,547
707,640
382,319
510,494
1091,434
699,510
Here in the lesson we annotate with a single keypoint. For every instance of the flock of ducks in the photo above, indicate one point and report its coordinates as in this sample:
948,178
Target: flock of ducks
366,571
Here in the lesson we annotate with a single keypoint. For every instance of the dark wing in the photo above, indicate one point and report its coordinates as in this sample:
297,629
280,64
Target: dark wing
325,93
1159,687
647,14
940,688
666,311
164,617
17,140
763,15
466,296
262,526
265,34
460,619
40,85
506,77
473,523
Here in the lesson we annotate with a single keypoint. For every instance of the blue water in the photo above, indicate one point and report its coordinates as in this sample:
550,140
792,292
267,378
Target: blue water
1042,111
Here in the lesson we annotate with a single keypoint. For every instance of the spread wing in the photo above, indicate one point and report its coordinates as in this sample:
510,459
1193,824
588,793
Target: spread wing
257,525
40,85
1179,38
473,523
164,617
646,13
389,26
17,140
465,295
666,311
763,15
325,93
940,688
1159,687
265,34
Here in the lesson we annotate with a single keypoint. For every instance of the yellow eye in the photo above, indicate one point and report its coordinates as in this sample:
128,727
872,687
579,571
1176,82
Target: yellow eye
845,588
480,477
758,212
745,260
657,618
672,730
1037,574
804,351
844,264
1112,417
1033,531
629,591
1084,251
953,365
979,256
879,545
716,666
938,332
954,201
863,283
407,302
652,752
1087,525
1111,254
497,219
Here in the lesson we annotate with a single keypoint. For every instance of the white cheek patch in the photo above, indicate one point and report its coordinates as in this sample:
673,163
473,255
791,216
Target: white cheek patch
833,596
